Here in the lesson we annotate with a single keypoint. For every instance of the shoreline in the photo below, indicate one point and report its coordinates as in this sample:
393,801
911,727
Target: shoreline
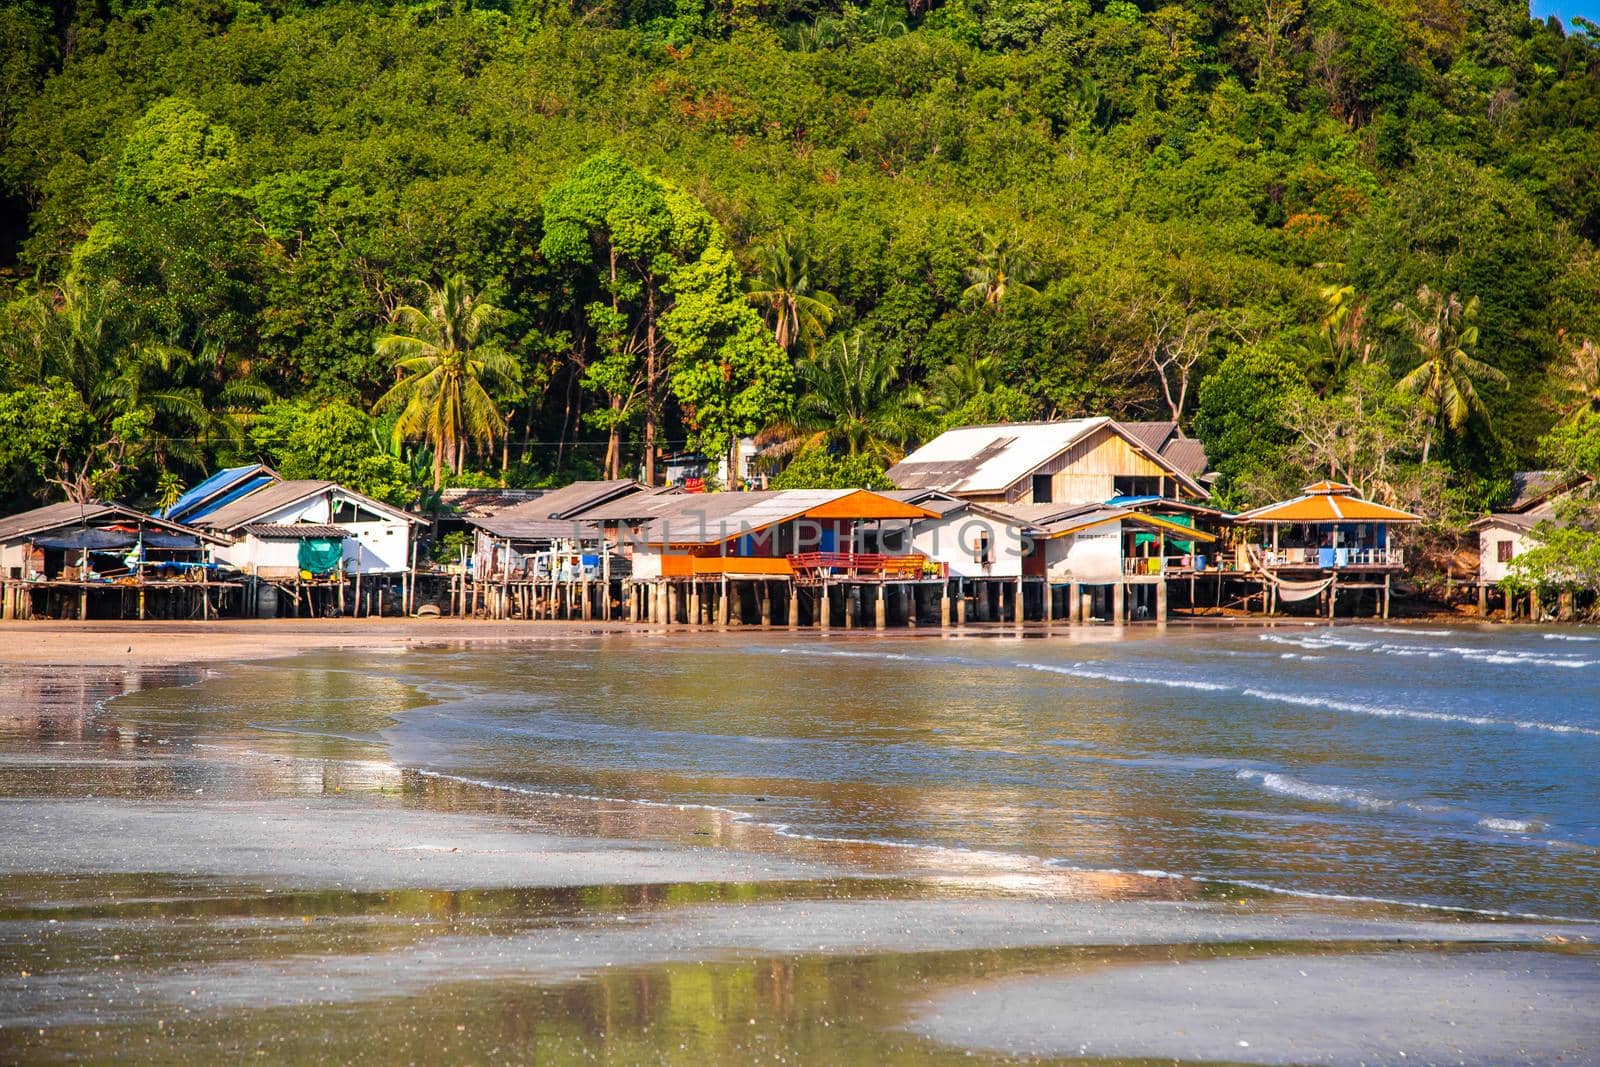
158,643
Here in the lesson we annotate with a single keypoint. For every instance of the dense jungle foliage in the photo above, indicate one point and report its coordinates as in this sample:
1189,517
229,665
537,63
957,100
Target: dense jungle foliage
472,243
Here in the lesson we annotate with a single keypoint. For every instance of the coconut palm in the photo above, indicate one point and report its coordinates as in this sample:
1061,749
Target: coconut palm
1441,331
967,376
444,370
1580,379
852,398
1000,271
782,289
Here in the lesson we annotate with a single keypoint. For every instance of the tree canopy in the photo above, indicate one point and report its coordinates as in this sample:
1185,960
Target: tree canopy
700,221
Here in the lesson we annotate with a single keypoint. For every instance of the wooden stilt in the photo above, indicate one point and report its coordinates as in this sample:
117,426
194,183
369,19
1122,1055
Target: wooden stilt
794,606
880,607
1119,602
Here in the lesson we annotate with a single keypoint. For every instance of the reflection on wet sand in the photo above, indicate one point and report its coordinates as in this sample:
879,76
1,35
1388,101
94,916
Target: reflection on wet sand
240,868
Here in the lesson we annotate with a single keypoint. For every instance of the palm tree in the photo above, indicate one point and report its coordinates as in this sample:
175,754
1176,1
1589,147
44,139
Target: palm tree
782,290
1580,377
967,376
852,398
1000,270
443,370
1441,332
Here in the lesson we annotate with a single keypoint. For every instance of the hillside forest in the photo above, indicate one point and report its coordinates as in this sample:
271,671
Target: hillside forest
449,243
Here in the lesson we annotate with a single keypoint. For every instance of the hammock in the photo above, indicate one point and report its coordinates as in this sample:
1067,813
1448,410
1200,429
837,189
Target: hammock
1289,592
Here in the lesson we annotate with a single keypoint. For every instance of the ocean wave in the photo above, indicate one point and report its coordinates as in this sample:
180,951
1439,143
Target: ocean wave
1079,670
1569,637
1499,656
1366,800
1389,712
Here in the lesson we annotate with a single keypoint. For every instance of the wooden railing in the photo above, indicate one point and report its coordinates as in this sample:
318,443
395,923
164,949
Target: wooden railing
814,566
1341,557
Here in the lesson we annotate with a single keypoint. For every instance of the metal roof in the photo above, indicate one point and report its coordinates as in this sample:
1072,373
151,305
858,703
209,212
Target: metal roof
58,516
559,514
712,518
293,531
988,459
991,459
270,498
217,490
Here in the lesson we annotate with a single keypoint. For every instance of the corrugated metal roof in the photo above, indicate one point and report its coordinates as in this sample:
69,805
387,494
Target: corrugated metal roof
270,498
293,531
56,516
711,518
557,515
987,459
217,490
1186,454
52,516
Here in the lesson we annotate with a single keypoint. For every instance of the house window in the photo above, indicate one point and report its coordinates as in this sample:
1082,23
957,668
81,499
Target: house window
1136,485
983,553
1043,489
1502,551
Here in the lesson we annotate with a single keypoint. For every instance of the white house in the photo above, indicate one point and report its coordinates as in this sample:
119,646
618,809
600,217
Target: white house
280,528
1505,535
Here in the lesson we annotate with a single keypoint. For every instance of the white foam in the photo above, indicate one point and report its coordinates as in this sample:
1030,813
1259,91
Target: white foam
1385,711
1078,670
1286,785
1509,826
1569,637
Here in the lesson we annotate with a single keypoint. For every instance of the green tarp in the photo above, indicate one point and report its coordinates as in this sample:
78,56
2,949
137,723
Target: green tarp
320,555
1184,547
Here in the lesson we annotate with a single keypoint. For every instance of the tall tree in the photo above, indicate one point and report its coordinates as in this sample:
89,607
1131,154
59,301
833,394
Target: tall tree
782,289
445,367
852,397
1001,270
1442,331
635,229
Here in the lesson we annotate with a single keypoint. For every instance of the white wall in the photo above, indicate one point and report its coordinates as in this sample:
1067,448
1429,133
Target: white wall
954,540
1490,569
382,547
1093,555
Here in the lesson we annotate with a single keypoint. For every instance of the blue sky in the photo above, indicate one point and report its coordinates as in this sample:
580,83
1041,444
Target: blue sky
1565,9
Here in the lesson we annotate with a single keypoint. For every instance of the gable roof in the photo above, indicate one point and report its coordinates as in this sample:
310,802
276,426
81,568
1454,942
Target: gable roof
57,516
1184,454
1529,489
558,513
1326,502
988,459
253,506
991,459
712,518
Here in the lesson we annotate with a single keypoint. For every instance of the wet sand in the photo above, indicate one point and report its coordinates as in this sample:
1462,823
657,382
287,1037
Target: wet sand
175,896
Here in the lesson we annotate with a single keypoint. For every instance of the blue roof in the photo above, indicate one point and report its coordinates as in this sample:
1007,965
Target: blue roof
217,490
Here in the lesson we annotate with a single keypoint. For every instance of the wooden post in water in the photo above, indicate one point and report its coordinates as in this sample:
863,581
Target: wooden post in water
825,611
1386,595
766,604
1075,612
944,604
1333,593
1161,600
880,606
724,609
1119,601
793,593
961,602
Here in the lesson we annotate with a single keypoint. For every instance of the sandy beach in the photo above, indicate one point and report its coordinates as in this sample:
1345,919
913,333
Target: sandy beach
192,883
